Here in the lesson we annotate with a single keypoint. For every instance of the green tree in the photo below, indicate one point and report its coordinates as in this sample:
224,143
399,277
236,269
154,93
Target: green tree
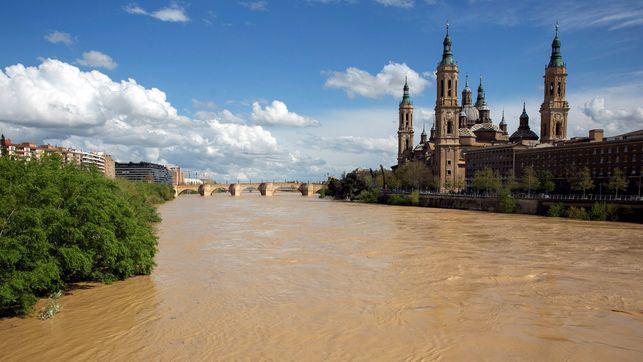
617,181
546,181
495,182
60,224
481,180
583,182
529,178
512,183
487,180
3,148
414,175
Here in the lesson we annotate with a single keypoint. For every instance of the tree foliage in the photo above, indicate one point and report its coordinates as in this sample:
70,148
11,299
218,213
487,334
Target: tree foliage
617,181
583,181
546,181
529,178
60,224
487,180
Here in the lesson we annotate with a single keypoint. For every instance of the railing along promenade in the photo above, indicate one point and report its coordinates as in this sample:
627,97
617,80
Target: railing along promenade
534,196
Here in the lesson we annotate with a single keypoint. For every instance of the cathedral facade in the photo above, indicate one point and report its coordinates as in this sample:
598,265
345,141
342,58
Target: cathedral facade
460,127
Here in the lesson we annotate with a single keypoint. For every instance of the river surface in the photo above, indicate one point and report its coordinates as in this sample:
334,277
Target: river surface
294,278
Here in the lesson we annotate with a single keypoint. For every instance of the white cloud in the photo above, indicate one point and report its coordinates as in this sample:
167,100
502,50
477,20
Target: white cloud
198,104
277,114
357,144
613,120
389,81
255,5
96,59
58,103
59,37
172,13
397,3
225,116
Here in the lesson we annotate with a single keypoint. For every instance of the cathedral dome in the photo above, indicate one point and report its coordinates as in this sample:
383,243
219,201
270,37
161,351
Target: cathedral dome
471,112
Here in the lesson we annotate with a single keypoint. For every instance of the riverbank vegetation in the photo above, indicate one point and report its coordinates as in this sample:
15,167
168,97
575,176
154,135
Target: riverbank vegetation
60,224
402,187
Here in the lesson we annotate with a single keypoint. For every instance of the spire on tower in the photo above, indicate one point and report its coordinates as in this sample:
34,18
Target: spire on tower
502,121
556,59
556,27
406,98
480,101
447,55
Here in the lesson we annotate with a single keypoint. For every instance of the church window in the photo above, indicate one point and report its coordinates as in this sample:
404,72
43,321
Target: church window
559,89
442,88
448,172
551,88
449,127
559,130
449,84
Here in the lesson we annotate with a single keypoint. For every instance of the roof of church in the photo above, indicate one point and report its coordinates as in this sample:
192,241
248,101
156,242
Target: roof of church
523,134
466,132
471,112
486,126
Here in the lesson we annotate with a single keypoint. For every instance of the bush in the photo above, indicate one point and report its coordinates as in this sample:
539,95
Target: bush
60,224
601,211
408,200
507,202
556,210
369,196
579,213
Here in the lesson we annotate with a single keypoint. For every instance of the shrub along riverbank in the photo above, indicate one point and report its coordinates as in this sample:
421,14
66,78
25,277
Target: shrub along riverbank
366,187
60,224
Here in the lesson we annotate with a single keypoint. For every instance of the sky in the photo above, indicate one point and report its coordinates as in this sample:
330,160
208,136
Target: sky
296,89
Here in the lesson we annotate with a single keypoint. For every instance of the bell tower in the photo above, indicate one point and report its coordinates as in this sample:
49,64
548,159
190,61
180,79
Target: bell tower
553,111
446,119
405,128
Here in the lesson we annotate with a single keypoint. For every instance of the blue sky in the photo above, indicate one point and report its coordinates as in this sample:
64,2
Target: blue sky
323,75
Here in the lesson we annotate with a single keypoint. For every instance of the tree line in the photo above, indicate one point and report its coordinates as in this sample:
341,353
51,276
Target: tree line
60,224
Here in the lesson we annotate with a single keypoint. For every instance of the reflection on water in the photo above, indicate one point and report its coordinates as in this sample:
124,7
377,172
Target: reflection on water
292,278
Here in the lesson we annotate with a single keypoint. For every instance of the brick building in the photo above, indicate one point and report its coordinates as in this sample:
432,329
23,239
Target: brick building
565,159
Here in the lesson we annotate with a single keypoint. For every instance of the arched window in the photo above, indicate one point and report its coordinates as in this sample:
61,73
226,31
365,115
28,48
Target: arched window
442,88
449,127
449,89
560,89
559,130
551,88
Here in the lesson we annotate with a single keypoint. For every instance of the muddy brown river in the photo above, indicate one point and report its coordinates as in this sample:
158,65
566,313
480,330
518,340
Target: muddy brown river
293,278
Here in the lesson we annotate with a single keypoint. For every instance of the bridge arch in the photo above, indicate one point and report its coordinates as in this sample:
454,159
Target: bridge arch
265,188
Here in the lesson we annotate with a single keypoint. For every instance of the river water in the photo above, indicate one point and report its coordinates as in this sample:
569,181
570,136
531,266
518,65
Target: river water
293,278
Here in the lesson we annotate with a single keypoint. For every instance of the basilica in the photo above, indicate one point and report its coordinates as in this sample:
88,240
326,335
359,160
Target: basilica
460,127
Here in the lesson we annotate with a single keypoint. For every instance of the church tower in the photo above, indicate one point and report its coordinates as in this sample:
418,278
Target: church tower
553,111
446,119
405,128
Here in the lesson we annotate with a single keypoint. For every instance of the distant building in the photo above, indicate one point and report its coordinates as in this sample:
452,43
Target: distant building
177,176
110,167
144,171
30,151
565,159
601,156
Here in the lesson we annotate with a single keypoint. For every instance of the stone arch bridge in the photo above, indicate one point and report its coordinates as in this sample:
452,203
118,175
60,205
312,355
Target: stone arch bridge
265,188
